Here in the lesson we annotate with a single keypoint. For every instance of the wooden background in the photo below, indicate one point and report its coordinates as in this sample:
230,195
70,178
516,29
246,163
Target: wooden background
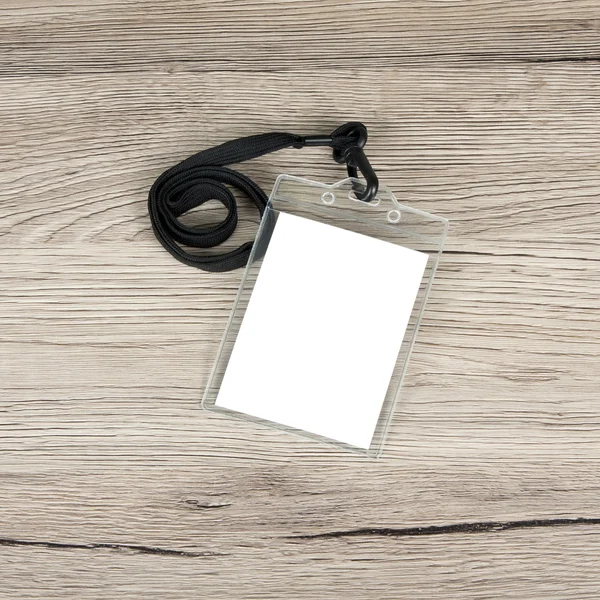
113,484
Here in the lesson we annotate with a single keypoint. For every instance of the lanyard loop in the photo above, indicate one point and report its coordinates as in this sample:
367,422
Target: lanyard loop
204,176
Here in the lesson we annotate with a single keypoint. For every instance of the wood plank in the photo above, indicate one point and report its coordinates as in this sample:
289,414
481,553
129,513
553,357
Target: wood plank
505,365
115,484
106,350
544,564
508,153
38,36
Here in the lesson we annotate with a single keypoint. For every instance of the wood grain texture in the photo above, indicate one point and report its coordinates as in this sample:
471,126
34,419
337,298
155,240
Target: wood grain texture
257,35
115,485
516,565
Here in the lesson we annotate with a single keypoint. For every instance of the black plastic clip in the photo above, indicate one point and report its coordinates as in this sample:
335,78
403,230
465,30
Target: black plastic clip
356,160
353,155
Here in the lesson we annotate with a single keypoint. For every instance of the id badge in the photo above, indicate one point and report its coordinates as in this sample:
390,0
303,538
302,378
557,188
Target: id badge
326,316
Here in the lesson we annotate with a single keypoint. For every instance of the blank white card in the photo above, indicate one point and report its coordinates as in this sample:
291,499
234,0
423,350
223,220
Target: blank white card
322,331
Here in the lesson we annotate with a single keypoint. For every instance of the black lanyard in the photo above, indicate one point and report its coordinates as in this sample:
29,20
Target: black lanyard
204,177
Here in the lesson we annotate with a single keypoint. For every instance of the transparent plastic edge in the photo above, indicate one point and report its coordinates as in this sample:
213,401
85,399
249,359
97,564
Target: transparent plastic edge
377,446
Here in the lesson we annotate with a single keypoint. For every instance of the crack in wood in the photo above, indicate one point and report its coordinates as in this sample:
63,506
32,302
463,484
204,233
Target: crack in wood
480,527
513,255
107,546
198,505
565,59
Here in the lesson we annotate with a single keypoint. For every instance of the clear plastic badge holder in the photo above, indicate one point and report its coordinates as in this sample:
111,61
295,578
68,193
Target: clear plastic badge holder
383,218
